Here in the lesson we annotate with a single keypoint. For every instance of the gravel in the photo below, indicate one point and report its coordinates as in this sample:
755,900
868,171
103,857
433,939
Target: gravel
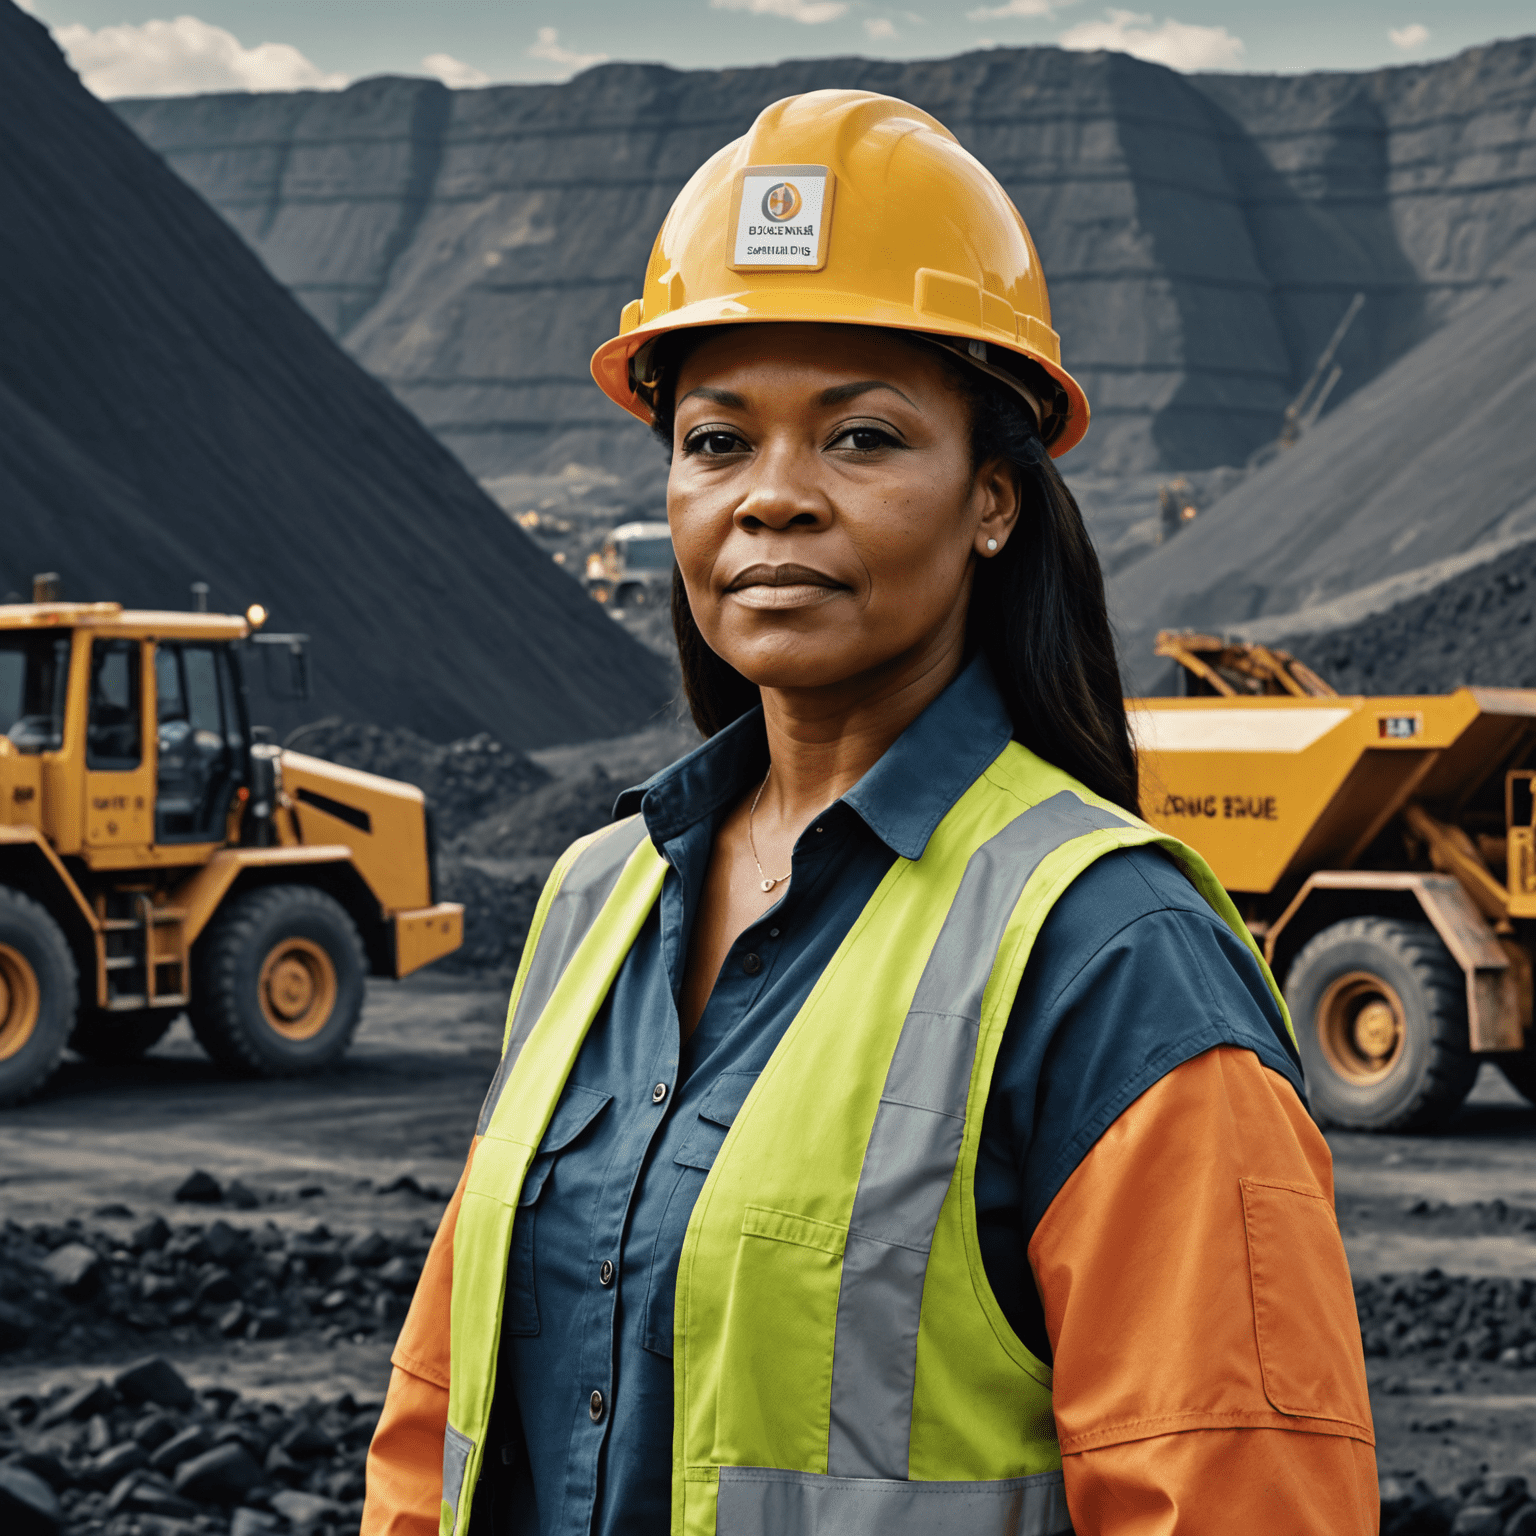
110,1460
199,1281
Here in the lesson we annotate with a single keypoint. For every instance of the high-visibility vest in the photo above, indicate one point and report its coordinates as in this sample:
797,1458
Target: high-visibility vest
840,1362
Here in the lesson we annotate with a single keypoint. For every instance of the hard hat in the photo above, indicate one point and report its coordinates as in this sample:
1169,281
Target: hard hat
855,209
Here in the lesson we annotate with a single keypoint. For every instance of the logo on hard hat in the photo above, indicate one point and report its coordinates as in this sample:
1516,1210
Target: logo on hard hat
781,201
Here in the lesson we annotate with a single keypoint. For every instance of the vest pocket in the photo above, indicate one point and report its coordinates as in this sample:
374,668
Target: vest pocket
779,1328
577,1109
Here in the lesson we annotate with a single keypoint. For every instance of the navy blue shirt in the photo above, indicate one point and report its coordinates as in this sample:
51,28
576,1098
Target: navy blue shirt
1131,975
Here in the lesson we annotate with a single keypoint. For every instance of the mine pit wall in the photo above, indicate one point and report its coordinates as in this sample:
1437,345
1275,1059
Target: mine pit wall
1202,234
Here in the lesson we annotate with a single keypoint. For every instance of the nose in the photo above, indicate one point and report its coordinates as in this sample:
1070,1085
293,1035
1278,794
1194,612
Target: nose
782,492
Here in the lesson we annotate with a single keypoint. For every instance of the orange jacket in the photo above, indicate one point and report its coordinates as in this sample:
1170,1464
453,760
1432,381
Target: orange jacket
1208,1369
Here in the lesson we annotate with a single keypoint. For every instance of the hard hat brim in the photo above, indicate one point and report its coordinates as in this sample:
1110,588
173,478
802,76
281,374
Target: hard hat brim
611,361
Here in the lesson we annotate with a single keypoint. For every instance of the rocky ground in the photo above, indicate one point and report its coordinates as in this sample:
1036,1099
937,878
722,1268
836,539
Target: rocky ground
259,1241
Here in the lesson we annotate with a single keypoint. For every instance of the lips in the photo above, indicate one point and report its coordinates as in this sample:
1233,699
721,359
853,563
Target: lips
783,586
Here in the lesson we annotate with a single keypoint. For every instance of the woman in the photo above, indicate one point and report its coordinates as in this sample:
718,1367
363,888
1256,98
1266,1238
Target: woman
893,1133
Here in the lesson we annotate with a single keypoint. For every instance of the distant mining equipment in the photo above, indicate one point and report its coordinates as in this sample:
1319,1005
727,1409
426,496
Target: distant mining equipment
1302,413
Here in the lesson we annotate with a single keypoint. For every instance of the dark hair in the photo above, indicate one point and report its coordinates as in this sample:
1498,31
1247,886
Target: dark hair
1037,610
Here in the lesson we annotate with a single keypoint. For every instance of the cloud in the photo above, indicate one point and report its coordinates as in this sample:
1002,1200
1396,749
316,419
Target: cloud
1414,35
811,12
454,72
880,26
1177,44
548,48
1010,8
176,58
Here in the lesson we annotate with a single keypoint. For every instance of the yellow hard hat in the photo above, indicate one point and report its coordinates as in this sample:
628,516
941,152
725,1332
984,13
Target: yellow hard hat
854,209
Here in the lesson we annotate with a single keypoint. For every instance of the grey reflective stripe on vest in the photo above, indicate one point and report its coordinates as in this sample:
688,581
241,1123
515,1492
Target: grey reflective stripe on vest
588,884
756,1501
456,1449
913,1148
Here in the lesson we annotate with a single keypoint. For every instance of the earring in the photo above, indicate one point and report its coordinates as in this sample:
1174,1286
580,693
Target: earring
991,543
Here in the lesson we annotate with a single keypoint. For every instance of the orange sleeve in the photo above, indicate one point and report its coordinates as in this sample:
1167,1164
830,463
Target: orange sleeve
405,1458
1208,1367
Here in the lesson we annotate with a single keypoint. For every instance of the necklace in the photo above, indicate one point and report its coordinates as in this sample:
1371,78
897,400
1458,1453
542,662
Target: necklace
767,881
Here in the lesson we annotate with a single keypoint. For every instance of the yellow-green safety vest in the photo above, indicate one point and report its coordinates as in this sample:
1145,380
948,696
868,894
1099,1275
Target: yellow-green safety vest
841,1366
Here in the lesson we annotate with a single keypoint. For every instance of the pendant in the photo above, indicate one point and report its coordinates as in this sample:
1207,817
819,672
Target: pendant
768,885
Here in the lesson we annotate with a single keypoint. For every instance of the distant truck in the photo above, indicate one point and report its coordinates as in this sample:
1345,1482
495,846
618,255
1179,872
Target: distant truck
156,857
634,568
1383,852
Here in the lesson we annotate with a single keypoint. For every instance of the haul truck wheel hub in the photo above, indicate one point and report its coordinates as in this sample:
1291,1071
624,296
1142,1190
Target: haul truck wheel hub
297,988
1360,1027
20,1001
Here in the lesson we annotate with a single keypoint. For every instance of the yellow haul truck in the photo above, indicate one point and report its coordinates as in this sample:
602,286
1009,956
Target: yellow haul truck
154,858
1383,852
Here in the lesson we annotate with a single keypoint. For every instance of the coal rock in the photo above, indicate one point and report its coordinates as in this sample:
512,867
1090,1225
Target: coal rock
75,1269
251,1522
304,1509
154,1380
223,1475
201,1188
151,1234
28,1506
15,1326
241,1197
183,1446
110,1466
81,1404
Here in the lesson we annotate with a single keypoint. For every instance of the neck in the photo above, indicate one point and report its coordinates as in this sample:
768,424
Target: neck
822,741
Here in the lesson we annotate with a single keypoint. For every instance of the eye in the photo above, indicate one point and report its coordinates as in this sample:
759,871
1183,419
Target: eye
713,443
864,439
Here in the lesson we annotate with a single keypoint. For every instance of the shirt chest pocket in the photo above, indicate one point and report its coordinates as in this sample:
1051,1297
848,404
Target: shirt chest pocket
694,1158
577,1109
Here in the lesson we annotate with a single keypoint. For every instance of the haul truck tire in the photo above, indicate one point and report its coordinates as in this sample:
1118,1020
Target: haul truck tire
1380,1010
277,983
103,1036
38,988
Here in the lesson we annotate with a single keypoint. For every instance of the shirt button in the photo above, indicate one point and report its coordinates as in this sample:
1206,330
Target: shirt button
773,933
751,964
595,1406
605,1272
658,1093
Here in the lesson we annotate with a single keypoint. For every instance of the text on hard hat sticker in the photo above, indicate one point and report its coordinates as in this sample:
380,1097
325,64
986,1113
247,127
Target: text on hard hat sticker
779,218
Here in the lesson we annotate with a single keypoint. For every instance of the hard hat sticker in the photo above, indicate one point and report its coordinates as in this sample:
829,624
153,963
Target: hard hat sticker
781,214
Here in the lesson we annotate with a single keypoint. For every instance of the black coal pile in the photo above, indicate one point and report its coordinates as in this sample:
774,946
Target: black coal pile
463,780
546,822
140,1451
1474,628
169,413
69,1290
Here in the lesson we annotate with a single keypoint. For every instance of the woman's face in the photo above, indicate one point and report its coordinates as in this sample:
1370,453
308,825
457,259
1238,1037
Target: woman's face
823,506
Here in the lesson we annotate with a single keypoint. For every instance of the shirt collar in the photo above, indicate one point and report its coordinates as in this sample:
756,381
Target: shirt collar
901,799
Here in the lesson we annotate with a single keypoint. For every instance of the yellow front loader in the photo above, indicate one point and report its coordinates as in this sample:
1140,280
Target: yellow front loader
1382,850
156,857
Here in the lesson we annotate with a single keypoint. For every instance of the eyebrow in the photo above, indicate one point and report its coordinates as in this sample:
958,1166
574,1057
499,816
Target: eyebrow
839,394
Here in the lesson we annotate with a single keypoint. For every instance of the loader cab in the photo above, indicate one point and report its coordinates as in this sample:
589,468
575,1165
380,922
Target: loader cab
200,735
34,686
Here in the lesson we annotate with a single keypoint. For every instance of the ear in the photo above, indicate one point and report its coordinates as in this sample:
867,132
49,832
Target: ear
996,492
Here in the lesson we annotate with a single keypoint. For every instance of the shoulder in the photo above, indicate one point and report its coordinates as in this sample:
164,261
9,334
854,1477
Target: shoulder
1132,975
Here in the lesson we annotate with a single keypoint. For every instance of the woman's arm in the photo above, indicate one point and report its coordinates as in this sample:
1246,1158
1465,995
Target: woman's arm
405,1459
1208,1369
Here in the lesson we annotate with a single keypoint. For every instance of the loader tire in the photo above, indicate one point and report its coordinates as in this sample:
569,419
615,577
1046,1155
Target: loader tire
277,983
103,1036
1380,1010
38,988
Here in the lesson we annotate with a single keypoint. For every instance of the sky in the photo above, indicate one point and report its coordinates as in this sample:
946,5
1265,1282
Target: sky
143,47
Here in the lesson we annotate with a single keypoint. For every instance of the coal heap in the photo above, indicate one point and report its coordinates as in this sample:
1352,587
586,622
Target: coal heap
168,414
1202,234
1432,460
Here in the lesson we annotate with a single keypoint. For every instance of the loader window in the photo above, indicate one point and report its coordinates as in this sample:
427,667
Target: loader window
647,554
34,679
113,739
198,743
